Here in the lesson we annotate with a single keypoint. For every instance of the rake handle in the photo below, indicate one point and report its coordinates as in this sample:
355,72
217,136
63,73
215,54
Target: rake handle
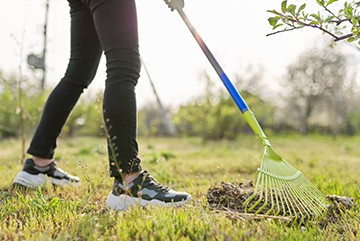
236,96
229,86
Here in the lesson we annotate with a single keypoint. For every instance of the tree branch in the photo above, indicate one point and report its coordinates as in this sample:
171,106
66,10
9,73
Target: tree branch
346,36
331,13
282,31
336,38
340,21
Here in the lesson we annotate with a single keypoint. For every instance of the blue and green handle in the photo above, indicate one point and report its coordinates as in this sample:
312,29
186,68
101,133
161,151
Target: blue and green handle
238,99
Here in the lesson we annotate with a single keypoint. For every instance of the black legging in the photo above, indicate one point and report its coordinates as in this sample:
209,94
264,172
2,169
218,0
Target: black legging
97,26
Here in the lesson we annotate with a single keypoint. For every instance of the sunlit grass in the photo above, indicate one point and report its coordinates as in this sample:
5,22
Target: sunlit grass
187,164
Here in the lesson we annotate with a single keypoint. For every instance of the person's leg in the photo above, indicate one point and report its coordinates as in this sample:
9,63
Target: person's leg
85,56
84,60
116,24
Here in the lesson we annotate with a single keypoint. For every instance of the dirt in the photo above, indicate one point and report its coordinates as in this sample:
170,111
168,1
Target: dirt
229,198
230,195
337,210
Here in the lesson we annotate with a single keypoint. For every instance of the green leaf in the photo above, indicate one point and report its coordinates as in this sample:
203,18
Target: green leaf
305,16
278,25
320,2
348,12
292,8
331,2
274,12
302,7
273,20
328,19
352,39
354,21
283,6
317,17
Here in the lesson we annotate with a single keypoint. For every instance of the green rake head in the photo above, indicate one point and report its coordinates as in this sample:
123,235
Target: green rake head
282,190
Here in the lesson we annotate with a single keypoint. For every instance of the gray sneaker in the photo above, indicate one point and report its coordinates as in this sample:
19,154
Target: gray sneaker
143,191
33,176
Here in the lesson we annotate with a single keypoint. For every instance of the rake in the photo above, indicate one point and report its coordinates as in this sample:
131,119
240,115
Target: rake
280,188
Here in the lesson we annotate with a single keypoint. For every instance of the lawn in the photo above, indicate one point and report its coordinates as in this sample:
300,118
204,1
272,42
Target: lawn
188,164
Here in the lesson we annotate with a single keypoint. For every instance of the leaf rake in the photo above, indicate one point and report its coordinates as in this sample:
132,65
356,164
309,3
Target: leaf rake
280,188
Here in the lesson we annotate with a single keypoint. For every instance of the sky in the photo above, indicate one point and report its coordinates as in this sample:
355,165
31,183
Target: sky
234,30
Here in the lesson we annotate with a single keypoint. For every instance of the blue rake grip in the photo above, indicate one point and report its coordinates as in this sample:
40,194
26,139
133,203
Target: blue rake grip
226,81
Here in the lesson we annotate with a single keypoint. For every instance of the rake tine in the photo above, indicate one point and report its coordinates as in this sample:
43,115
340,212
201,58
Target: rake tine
277,195
287,200
271,196
260,196
266,197
301,192
305,190
297,192
319,200
284,203
287,192
277,199
308,206
247,201
295,203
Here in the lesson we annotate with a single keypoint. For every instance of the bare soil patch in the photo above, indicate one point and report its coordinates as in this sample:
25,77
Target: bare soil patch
230,197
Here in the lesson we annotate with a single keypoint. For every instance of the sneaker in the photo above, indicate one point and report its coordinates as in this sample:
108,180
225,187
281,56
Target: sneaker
33,176
143,191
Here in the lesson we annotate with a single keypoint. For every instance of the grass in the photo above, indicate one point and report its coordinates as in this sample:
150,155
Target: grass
183,164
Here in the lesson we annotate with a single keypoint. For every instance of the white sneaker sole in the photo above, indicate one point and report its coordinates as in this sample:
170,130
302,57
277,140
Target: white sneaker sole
33,181
123,202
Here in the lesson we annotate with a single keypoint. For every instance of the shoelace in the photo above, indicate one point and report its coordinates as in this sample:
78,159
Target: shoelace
64,173
152,182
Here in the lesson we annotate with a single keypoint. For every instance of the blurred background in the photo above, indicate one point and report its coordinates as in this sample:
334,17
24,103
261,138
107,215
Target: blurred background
293,82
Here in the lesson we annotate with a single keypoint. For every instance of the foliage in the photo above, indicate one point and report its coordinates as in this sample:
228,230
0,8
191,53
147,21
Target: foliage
85,119
339,19
210,120
214,115
354,119
7,109
151,121
32,103
320,92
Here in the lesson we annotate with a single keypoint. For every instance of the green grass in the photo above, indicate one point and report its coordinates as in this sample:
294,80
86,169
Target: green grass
184,164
